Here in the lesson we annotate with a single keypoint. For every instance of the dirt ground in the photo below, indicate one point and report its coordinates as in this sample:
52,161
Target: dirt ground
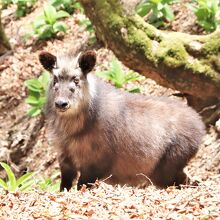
24,143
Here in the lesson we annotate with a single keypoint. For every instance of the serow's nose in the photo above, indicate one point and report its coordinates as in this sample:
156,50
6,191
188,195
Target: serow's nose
62,104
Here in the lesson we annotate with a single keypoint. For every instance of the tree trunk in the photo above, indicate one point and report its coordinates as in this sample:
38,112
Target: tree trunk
188,63
4,44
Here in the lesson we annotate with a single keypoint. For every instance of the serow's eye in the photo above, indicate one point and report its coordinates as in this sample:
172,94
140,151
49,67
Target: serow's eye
75,80
72,90
55,80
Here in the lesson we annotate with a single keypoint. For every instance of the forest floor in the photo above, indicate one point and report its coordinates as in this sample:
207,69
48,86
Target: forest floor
24,144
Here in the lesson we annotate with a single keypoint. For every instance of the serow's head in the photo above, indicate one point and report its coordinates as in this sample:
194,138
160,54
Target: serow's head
68,90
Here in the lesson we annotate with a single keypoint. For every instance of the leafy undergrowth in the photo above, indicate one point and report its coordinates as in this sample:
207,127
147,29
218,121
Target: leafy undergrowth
108,202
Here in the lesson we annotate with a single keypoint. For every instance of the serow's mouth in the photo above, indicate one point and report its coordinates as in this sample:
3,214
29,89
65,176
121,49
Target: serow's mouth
62,105
64,109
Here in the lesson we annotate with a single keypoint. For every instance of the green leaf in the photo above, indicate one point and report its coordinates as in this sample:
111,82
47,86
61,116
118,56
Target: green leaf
78,6
24,179
50,14
118,73
59,27
201,14
55,3
62,14
26,185
44,79
143,8
45,32
88,25
20,12
38,22
85,22
53,187
42,101
37,97
132,76
207,26
92,40
155,1
32,100
159,6
33,93
206,12
34,111
11,177
168,13
158,24
43,183
134,90
104,74
33,84
3,184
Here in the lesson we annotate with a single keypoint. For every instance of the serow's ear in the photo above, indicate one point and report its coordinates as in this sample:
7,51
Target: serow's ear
87,61
47,60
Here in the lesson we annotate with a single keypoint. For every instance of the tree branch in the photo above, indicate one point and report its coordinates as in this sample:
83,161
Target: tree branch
4,44
187,63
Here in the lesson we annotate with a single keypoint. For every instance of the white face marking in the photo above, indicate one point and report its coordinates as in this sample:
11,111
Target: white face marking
92,85
69,64
56,72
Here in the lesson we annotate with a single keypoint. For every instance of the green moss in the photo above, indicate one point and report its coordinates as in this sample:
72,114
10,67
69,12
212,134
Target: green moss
113,19
203,67
215,60
197,67
139,40
172,53
115,22
212,45
116,7
134,37
149,30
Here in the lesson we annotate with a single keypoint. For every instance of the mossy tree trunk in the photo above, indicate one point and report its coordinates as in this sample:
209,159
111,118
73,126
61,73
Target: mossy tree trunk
188,63
4,44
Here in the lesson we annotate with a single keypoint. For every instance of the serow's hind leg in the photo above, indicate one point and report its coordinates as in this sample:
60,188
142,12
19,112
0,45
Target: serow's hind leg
169,172
181,179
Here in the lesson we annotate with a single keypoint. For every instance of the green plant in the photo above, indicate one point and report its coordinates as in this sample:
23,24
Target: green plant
37,93
89,27
47,25
12,184
118,77
206,12
5,3
67,5
23,7
48,184
158,11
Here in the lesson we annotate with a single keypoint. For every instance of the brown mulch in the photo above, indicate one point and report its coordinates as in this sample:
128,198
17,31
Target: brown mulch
108,202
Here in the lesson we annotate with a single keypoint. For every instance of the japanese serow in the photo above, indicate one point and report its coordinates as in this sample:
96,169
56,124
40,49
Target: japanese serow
104,133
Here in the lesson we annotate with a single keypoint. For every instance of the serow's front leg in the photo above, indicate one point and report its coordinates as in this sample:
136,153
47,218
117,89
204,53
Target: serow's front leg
87,182
68,173
87,178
